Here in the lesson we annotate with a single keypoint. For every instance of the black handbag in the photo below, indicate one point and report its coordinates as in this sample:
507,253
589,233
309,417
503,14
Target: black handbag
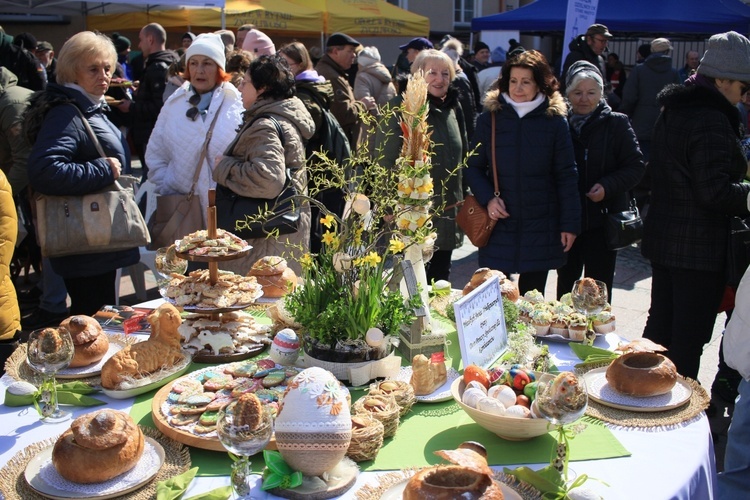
738,250
623,228
278,215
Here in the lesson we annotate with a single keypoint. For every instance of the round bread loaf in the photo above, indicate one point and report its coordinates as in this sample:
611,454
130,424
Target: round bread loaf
642,374
97,447
268,266
89,340
449,482
509,290
278,285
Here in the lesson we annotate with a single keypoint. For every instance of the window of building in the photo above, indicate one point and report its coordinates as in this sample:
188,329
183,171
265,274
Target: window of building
463,12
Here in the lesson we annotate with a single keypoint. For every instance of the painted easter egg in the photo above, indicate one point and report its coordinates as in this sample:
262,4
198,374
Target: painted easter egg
285,347
314,426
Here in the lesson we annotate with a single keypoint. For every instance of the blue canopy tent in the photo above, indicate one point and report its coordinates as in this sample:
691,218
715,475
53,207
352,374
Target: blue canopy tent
687,17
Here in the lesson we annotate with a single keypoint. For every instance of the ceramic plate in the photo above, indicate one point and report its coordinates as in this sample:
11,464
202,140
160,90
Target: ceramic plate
166,377
555,337
209,309
396,492
442,393
42,477
95,369
214,258
601,392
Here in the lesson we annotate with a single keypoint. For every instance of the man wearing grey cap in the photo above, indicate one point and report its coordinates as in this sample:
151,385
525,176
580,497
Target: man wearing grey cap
588,47
644,83
339,57
697,167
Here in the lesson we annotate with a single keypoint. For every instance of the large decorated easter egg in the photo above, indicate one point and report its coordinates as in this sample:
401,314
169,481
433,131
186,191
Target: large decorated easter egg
314,425
285,347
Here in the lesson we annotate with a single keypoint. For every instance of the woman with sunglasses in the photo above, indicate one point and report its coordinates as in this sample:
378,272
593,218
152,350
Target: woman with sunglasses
696,168
205,103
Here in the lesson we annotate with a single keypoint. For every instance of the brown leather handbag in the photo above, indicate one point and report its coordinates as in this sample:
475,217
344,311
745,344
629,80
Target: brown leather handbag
473,218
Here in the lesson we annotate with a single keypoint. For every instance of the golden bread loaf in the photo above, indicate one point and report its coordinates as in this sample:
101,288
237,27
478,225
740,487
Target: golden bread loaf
98,446
642,374
89,340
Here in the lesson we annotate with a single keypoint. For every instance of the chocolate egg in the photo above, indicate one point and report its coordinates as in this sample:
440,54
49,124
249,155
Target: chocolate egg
285,347
314,426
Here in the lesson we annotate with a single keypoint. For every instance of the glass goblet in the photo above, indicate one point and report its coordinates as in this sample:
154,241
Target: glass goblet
562,399
244,442
49,350
589,297
167,263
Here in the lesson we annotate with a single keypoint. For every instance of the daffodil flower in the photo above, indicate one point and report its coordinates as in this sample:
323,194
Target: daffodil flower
328,221
328,238
396,246
306,261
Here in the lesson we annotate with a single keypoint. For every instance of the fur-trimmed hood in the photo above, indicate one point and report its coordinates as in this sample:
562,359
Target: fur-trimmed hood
556,105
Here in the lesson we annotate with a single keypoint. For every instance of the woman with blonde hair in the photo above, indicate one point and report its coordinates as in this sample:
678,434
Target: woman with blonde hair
446,122
537,208
205,102
64,159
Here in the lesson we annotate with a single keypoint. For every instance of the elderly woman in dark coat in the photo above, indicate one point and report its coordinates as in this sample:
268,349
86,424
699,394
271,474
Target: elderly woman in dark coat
64,159
696,166
446,122
538,210
609,166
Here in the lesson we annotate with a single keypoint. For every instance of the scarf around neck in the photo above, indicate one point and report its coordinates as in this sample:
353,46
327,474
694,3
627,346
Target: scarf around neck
524,108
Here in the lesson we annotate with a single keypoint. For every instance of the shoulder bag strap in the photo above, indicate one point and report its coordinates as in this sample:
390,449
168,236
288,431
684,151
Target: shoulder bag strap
204,151
494,159
280,132
90,132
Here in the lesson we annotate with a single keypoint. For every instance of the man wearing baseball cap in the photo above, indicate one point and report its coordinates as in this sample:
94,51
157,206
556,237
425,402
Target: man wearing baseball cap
588,47
339,57
46,55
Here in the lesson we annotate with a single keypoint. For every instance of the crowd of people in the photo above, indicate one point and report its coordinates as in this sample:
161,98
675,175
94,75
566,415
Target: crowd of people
566,149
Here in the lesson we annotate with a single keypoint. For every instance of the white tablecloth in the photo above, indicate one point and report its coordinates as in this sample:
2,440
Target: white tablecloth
674,464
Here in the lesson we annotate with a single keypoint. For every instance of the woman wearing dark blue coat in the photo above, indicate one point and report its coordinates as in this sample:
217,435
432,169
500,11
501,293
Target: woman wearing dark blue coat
538,211
610,164
64,159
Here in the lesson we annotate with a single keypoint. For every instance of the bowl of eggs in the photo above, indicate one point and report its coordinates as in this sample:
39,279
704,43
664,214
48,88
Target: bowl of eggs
501,401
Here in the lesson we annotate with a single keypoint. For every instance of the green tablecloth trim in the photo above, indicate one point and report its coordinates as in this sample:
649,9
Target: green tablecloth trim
427,428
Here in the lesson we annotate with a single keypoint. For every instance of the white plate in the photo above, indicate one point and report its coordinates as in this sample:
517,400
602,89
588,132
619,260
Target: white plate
442,393
42,477
396,492
556,337
94,369
601,392
167,377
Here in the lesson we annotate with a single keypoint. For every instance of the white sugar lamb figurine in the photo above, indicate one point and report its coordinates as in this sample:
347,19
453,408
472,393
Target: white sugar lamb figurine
216,341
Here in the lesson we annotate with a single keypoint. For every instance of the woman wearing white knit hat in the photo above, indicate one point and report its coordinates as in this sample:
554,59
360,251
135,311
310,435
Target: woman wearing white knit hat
205,100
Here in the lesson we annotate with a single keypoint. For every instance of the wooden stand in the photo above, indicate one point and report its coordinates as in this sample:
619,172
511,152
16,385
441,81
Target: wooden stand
340,479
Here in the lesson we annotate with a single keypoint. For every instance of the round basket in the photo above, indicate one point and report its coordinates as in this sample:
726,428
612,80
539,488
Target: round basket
403,392
383,407
367,438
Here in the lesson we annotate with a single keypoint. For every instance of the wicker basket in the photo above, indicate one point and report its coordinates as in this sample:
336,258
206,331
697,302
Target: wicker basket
367,438
402,391
383,407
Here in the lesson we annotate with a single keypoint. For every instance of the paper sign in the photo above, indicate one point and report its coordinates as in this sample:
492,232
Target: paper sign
480,322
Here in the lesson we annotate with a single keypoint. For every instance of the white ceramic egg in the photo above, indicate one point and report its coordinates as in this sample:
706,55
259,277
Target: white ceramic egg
504,394
374,337
285,347
472,396
314,426
491,405
478,385
518,411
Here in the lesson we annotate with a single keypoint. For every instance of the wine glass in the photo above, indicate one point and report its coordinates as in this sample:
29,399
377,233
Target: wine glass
589,297
166,263
562,399
243,441
49,350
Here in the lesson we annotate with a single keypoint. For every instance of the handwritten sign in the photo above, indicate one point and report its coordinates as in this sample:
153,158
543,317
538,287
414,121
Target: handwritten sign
480,322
